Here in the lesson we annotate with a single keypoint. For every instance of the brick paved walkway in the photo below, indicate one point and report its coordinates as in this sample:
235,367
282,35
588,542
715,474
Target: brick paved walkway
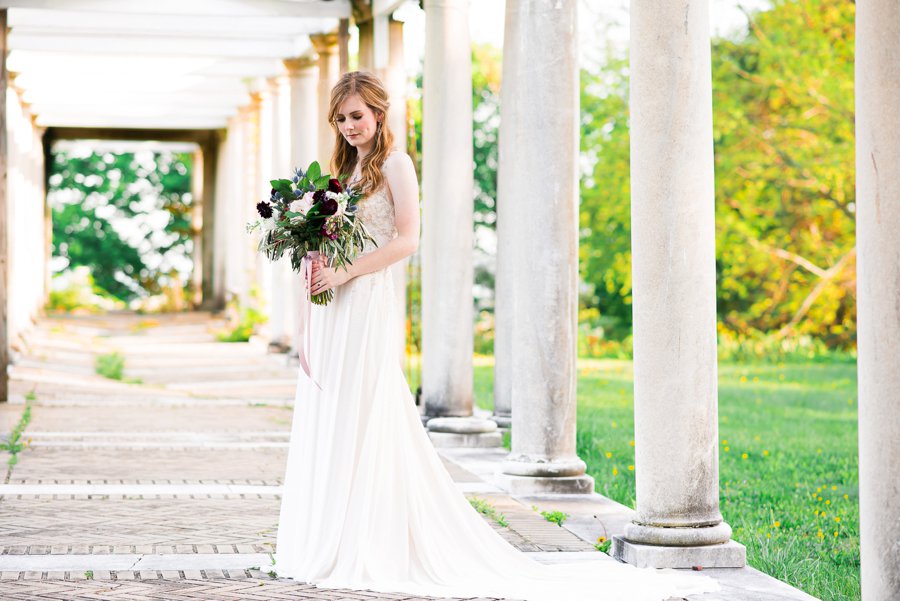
122,475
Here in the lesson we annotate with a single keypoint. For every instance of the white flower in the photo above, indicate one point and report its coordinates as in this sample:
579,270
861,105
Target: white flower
302,204
267,224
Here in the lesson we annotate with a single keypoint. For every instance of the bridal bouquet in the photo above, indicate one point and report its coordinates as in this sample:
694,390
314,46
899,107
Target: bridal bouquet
308,216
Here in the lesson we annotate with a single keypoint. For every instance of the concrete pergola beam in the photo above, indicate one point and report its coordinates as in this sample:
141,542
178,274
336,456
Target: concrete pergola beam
338,9
231,26
157,45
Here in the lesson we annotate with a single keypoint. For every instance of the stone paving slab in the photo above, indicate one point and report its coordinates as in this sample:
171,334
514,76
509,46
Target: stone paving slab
171,419
92,526
203,585
53,465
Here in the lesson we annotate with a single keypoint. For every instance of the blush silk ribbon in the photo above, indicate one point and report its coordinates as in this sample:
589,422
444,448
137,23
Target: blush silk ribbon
305,333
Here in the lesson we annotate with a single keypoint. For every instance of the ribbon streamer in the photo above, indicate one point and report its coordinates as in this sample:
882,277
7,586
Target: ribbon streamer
305,333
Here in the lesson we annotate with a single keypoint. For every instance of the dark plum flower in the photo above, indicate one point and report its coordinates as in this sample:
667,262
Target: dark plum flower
264,209
329,206
319,196
334,186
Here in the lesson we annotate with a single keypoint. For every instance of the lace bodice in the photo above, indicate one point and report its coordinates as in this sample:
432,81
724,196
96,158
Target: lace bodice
376,211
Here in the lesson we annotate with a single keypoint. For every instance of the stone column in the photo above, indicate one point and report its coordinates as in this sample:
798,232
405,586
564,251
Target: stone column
261,190
4,219
539,243
303,75
878,290
396,82
678,523
447,225
280,167
506,237
326,46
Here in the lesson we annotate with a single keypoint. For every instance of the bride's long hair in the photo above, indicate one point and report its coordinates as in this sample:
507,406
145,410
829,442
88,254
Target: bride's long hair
343,161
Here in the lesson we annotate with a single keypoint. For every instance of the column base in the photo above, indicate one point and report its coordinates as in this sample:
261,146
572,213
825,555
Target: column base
463,432
443,440
503,421
531,485
724,555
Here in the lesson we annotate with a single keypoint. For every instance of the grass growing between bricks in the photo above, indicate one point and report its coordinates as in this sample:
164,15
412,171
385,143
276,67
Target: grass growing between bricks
14,444
788,465
484,507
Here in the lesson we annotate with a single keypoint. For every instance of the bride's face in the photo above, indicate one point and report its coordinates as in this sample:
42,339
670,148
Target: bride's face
356,122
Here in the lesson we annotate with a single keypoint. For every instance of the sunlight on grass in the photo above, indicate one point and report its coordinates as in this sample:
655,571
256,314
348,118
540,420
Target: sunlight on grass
787,461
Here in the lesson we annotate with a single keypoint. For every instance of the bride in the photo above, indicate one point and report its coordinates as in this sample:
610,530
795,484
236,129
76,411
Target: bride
367,503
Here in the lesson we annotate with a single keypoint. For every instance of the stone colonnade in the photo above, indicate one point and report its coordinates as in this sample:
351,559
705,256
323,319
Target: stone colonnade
27,223
878,293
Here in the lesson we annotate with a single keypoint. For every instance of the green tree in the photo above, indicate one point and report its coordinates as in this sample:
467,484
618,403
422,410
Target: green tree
125,216
783,127
783,99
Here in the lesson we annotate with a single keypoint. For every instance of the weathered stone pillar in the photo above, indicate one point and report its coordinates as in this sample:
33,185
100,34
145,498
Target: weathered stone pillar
506,235
447,225
396,82
261,190
539,132
303,75
280,162
878,290
678,523
326,46
4,219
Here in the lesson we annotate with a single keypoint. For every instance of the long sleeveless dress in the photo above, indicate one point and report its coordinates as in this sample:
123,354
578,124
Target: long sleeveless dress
367,502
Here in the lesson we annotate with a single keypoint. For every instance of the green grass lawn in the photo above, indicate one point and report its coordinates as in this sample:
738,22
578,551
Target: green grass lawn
787,457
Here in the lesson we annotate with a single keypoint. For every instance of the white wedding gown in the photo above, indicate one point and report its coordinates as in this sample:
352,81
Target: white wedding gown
367,502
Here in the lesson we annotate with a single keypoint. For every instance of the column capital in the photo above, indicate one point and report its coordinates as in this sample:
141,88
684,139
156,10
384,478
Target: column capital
324,43
299,64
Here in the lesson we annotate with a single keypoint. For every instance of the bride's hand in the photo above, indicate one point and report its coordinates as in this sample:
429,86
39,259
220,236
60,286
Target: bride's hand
325,278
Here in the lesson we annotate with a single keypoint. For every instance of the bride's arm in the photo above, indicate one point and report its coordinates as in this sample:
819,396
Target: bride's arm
400,176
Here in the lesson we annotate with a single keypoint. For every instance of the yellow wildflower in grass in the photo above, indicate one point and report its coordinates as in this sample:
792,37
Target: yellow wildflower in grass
828,502
768,535
777,524
817,512
821,534
630,468
615,472
631,442
820,498
608,455
755,380
837,518
834,488
846,497
835,533
765,453
727,449
744,455
724,441
601,539
819,489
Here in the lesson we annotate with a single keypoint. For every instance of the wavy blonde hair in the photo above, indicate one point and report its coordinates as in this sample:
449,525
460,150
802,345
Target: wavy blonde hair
372,92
